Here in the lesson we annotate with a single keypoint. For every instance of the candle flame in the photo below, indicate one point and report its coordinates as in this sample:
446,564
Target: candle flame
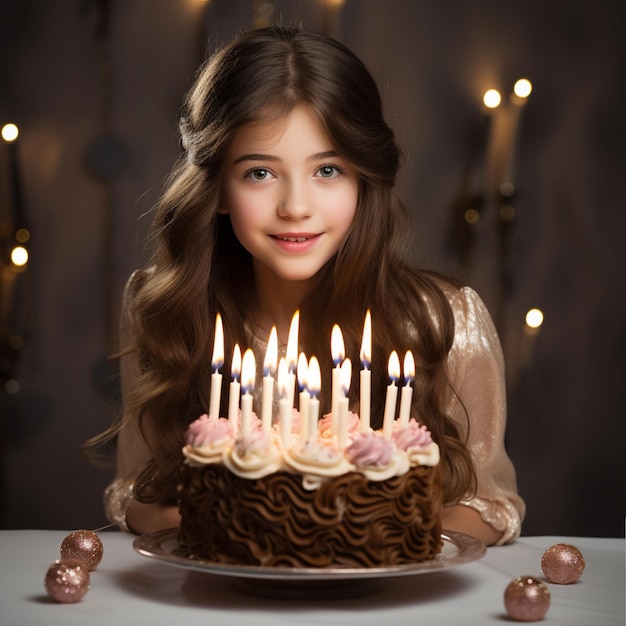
409,367
235,366
283,378
271,354
394,366
366,342
292,342
248,372
303,372
345,376
218,344
337,347
314,376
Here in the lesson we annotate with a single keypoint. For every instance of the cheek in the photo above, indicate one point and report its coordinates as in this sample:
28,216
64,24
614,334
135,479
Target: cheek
249,220
245,210
343,208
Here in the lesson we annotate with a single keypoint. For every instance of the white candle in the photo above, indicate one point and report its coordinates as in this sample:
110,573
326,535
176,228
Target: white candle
248,376
315,384
407,390
343,403
233,397
303,375
392,395
292,356
284,409
366,374
338,351
269,370
216,363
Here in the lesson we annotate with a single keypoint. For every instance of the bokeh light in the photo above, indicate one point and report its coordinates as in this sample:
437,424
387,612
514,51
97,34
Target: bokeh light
10,132
492,98
534,318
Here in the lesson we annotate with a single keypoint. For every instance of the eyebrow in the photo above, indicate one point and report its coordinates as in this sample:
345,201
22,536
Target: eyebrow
269,157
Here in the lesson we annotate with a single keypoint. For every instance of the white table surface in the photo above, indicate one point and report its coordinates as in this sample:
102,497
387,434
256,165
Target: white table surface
128,587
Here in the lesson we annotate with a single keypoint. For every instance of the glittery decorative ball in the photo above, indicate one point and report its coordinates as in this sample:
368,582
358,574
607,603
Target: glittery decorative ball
562,564
527,599
84,546
67,581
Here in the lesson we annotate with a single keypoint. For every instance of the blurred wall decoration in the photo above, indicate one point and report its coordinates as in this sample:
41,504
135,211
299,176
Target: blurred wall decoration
520,196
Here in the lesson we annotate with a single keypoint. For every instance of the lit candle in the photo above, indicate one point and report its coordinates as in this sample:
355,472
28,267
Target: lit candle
216,363
292,355
343,403
338,352
366,373
392,395
407,390
248,376
315,383
269,371
233,397
303,383
284,409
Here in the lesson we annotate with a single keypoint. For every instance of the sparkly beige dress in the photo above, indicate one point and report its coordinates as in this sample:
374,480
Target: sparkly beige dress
476,370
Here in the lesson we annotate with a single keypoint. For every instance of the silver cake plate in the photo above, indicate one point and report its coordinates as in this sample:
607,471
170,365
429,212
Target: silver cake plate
295,582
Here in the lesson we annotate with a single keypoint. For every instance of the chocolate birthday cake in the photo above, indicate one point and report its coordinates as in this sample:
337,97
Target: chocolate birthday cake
273,499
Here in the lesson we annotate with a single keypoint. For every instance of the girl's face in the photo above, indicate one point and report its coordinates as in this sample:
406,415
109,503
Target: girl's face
290,197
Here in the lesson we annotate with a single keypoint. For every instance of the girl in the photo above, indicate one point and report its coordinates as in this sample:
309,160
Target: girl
284,199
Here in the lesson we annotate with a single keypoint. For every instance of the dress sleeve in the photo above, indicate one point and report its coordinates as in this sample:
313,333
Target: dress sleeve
476,371
132,451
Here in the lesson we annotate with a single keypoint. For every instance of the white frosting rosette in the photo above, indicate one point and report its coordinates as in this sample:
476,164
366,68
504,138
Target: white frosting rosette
207,439
417,442
254,455
376,457
316,462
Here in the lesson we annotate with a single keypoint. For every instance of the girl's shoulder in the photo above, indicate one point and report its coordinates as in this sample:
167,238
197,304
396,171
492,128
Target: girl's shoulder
462,298
471,316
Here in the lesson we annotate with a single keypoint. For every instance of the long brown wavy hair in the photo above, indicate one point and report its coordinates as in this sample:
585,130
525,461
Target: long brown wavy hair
199,268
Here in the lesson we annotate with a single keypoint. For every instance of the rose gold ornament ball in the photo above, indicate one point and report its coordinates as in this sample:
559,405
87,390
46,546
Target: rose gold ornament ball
82,545
67,581
527,599
562,564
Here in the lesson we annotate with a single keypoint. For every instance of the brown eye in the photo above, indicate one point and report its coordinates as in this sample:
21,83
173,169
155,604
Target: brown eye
258,174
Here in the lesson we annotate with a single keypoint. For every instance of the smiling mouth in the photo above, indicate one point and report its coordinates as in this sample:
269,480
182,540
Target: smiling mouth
292,239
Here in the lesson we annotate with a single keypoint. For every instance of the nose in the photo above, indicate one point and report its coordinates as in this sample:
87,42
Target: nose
295,201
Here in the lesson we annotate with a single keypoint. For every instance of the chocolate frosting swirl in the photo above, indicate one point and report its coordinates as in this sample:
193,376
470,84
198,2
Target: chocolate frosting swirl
272,521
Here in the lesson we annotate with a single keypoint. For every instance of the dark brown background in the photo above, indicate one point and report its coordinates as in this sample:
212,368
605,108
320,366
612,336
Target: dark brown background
433,60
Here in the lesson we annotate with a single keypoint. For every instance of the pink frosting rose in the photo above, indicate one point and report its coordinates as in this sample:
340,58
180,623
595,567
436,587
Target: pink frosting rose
412,436
370,449
208,430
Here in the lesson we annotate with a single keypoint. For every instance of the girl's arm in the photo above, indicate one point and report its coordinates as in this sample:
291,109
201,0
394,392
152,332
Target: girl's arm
148,518
467,520
476,370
